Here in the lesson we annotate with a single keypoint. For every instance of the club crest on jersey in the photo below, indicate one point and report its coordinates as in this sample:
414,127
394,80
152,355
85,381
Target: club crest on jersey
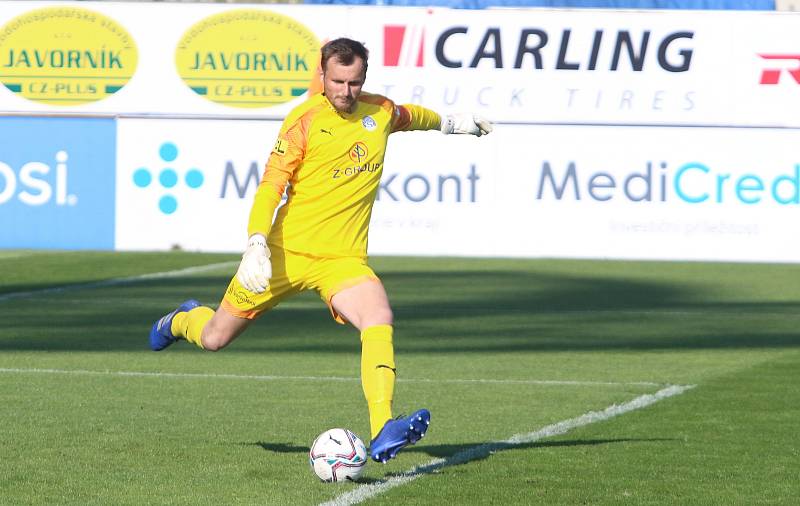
280,147
368,123
358,152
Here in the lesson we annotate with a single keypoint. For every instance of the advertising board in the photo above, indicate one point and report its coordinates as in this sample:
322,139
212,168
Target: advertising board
188,184
57,182
533,191
593,192
619,134
516,66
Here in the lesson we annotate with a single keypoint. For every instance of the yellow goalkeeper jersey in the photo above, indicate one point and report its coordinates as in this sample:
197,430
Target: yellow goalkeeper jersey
332,163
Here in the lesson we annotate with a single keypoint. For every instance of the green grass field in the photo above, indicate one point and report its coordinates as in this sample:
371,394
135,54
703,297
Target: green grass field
494,348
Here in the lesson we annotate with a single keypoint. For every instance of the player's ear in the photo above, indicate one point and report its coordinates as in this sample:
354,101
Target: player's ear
315,86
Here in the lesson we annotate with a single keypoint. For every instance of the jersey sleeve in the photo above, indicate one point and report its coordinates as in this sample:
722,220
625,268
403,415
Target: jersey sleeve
287,155
414,117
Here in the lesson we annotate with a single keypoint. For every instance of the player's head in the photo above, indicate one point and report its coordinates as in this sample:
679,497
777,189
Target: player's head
344,70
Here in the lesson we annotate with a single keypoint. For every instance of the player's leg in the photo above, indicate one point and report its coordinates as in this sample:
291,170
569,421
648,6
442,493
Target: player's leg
200,325
240,306
360,298
222,329
175,324
366,307
190,325
213,330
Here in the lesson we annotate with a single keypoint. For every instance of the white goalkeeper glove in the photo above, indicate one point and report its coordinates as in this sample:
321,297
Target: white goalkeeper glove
465,124
255,269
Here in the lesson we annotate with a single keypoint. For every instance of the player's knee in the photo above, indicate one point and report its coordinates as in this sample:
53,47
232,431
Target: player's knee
379,316
386,316
215,341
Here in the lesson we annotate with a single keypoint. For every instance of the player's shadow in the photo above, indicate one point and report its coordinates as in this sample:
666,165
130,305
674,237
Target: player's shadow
478,449
453,455
458,454
448,451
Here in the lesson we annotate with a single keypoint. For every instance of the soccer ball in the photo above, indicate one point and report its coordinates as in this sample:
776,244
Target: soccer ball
338,455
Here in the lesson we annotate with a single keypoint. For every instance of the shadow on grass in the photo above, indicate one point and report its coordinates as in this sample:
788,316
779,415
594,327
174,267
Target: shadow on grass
458,454
435,312
447,451
280,447
454,455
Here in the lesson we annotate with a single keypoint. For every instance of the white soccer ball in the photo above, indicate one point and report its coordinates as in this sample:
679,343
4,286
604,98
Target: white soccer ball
338,455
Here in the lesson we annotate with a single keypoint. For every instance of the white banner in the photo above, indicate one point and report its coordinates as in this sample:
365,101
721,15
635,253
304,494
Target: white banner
598,67
593,192
513,65
188,184
165,59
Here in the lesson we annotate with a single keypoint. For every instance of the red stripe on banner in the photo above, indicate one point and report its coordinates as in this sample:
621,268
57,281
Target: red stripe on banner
773,76
392,44
421,48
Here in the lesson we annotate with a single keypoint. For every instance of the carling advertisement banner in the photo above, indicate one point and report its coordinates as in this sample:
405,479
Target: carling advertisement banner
513,65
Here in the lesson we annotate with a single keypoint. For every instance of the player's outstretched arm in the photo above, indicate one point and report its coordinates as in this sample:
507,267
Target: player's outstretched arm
465,124
255,268
415,117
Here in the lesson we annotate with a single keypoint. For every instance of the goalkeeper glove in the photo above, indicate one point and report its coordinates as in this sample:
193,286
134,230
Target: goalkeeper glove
255,269
465,124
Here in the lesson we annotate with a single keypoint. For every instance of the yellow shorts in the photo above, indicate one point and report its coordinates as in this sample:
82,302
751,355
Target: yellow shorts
291,274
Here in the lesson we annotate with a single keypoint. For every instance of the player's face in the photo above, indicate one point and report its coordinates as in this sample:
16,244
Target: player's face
342,83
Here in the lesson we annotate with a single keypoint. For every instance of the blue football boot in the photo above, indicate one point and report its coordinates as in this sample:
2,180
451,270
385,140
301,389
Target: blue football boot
397,434
161,333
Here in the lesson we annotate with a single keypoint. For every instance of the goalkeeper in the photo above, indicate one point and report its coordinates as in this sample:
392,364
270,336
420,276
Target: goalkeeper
329,153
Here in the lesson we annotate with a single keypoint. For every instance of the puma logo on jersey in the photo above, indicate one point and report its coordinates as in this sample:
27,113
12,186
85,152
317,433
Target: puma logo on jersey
326,131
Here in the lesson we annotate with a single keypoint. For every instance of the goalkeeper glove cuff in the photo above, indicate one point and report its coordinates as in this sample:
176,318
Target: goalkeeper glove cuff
255,268
257,240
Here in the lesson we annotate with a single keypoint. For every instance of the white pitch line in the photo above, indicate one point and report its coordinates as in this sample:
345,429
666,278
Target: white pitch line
118,281
258,377
144,374
538,382
367,491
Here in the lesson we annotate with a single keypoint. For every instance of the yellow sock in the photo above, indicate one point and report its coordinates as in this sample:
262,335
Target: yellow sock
377,374
189,325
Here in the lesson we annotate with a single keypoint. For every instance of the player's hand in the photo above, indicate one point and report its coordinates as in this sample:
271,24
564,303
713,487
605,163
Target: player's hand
465,124
255,269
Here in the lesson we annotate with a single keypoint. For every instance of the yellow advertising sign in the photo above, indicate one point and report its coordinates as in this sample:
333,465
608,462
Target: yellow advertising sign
248,58
65,56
